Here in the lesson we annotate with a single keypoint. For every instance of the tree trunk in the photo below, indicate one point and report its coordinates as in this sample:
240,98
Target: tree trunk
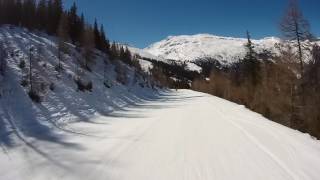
299,48
30,72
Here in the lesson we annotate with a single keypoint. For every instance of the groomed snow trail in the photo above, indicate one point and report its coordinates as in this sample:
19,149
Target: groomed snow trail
184,135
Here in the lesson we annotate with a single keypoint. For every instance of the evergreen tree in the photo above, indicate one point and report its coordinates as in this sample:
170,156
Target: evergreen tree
15,12
29,14
49,13
18,10
3,16
105,41
251,65
42,14
82,23
74,24
121,54
2,12
10,12
128,57
113,51
55,17
55,11
97,38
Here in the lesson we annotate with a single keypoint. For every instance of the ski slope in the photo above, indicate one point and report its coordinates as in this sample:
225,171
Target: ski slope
174,135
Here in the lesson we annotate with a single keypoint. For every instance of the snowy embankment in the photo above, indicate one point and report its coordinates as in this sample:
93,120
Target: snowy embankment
22,122
170,136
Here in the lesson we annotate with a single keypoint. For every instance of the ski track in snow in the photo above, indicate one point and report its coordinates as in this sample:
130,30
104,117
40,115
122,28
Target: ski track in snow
262,147
184,135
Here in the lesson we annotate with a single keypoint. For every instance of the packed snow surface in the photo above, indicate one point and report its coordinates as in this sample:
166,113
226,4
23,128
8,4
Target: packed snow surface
194,47
171,135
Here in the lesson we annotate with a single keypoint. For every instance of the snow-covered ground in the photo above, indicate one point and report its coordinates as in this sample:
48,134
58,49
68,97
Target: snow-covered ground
23,122
192,47
131,131
173,135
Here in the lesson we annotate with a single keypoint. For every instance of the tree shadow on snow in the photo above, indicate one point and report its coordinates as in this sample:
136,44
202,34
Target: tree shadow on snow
27,122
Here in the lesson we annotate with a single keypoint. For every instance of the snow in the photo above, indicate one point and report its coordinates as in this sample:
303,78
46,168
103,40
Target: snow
129,132
145,65
193,67
23,122
170,135
144,54
193,47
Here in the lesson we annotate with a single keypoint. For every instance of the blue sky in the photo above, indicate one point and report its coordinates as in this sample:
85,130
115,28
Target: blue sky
142,22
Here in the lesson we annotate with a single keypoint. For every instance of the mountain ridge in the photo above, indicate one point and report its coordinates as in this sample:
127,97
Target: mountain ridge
192,47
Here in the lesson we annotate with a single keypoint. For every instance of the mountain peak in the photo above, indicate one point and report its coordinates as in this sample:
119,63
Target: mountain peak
193,47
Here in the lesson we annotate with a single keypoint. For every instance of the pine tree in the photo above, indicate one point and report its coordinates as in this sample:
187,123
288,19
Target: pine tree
113,51
29,14
55,10
49,12
105,41
42,14
121,54
128,57
97,38
14,12
82,23
74,24
10,12
2,14
56,16
251,65
18,10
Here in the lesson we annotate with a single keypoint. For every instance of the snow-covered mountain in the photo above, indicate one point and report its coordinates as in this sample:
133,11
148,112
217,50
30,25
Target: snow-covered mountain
193,47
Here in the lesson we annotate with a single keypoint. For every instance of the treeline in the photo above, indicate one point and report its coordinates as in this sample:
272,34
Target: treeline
49,16
284,88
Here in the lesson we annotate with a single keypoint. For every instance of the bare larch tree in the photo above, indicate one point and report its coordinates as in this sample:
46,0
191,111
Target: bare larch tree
296,28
